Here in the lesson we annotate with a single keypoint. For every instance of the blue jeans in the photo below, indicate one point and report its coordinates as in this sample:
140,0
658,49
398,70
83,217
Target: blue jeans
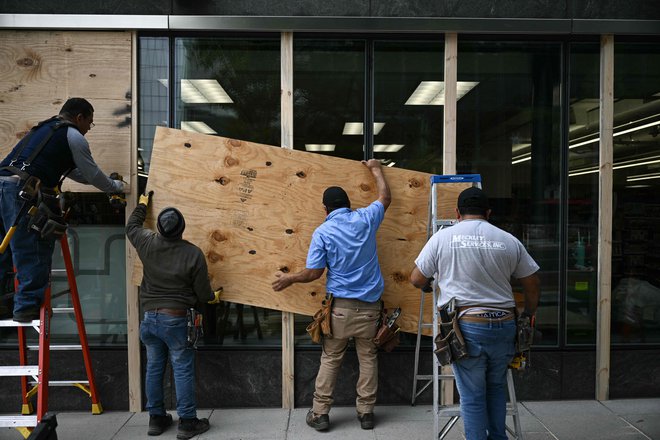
32,255
162,335
481,378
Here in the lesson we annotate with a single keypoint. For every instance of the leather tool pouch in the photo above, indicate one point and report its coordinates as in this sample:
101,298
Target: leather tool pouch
387,335
322,323
449,344
46,216
195,329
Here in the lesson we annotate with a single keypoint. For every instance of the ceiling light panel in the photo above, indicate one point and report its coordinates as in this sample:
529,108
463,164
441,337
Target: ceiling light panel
197,126
356,128
320,147
433,92
387,148
203,91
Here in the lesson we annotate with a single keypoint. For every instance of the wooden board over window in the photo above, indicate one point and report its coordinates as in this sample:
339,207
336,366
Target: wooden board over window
40,70
252,209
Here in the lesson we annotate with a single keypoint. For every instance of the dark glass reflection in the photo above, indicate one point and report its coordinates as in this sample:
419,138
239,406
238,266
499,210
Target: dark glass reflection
508,131
408,101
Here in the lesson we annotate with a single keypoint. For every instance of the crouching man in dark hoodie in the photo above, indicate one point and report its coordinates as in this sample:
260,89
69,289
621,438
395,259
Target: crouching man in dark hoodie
175,278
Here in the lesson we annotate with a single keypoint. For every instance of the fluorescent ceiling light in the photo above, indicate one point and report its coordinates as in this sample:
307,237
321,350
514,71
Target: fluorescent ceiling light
320,147
517,147
618,133
433,92
643,177
617,166
522,158
202,91
351,128
198,126
387,148
391,164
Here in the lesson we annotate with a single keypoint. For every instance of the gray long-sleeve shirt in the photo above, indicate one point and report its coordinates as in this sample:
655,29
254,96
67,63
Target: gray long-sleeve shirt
175,273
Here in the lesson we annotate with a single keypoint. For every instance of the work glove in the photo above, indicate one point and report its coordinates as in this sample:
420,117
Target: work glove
216,296
145,199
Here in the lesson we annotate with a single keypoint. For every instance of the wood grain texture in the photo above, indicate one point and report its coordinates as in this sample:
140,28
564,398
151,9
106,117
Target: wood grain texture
40,70
252,209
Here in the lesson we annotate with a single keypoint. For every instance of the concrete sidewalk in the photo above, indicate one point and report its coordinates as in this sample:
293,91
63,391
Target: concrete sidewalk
634,419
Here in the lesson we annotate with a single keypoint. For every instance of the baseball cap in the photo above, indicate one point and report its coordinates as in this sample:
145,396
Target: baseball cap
171,223
472,198
336,197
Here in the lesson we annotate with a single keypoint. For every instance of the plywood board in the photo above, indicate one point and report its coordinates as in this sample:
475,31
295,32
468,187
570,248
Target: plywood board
39,70
252,209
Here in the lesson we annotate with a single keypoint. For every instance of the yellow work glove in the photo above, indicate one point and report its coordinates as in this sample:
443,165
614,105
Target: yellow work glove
145,199
216,296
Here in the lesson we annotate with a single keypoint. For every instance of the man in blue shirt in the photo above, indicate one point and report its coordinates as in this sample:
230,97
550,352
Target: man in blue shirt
345,244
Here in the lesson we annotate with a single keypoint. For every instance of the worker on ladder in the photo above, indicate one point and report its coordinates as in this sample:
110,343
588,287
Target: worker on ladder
474,262
30,177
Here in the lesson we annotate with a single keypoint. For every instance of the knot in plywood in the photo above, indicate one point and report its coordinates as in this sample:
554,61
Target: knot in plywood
284,269
414,183
364,187
231,161
214,257
26,62
398,277
222,180
219,236
301,174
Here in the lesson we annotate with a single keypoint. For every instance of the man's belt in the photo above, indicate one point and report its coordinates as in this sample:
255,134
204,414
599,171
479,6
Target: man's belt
481,319
170,312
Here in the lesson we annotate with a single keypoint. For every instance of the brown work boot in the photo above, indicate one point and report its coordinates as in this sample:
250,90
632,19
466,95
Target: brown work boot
366,420
320,422
158,424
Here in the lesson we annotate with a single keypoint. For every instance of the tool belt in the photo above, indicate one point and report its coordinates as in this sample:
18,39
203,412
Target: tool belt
46,215
449,343
195,330
322,321
387,335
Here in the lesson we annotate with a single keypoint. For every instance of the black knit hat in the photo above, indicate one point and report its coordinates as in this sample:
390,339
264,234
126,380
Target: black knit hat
335,197
473,198
171,223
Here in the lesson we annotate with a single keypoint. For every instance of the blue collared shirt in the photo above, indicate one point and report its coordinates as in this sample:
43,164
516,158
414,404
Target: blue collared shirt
346,244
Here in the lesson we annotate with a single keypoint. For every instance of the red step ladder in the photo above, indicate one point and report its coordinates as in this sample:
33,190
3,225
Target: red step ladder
26,422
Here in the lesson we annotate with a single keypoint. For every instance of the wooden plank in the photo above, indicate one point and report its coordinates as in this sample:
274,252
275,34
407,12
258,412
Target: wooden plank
288,318
605,217
449,133
132,297
252,209
39,70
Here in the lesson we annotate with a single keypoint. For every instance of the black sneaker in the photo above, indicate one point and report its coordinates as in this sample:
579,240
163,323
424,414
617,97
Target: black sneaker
320,422
188,428
158,424
27,315
366,420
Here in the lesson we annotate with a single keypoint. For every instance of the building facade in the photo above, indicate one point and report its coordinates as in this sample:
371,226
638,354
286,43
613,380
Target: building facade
555,104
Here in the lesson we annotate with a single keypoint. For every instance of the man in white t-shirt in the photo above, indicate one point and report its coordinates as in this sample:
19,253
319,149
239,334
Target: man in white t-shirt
473,262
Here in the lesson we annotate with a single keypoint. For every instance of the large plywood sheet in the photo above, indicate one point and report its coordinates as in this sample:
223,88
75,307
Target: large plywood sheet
39,70
252,209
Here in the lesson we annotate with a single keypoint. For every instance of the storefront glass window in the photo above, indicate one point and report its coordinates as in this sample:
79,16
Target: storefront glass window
508,130
582,231
408,104
636,204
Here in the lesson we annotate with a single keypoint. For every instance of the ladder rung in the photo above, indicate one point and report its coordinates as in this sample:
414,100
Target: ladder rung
424,377
427,325
63,310
449,411
63,383
18,421
58,271
20,370
12,323
57,347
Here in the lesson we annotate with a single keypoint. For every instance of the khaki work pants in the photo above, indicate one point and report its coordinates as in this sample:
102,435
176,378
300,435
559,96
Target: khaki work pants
356,319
